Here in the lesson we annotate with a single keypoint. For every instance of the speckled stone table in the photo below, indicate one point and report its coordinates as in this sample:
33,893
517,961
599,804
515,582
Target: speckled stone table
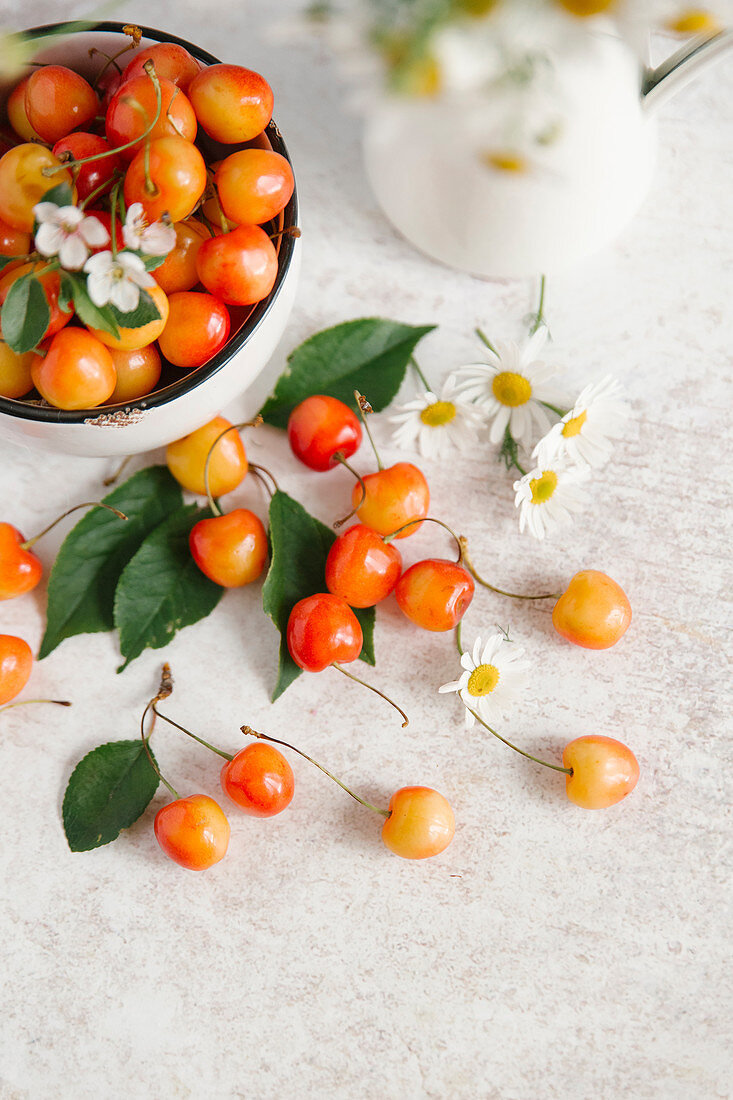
550,953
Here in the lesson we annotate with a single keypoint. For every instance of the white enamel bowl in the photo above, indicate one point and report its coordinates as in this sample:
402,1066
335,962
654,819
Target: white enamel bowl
184,402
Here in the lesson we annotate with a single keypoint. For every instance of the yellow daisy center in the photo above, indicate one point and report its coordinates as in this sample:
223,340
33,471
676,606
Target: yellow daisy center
511,389
587,7
575,426
543,487
695,21
505,161
438,414
483,680
477,7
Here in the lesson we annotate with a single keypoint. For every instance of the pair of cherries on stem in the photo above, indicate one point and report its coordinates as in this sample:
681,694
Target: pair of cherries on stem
194,831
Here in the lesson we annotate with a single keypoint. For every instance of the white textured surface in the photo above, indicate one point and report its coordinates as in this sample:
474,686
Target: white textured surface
551,952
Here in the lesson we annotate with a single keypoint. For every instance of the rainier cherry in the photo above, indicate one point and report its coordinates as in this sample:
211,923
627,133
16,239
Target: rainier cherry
16,663
259,779
196,329
187,457
239,267
15,372
57,101
172,62
76,372
193,832
361,567
20,570
435,593
138,372
23,183
320,428
322,629
593,612
177,174
603,771
254,185
231,550
392,498
130,339
233,104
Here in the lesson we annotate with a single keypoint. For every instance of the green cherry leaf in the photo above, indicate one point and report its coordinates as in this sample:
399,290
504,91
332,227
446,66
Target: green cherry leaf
81,588
87,312
25,314
60,194
145,312
299,546
369,355
5,260
152,262
108,790
162,589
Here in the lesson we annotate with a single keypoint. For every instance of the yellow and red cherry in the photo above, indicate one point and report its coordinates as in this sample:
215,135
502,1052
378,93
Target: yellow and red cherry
15,372
186,458
23,184
51,285
129,339
320,428
20,569
603,771
178,270
172,62
76,372
17,116
593,612
420,823
196,329
16,664
233,104
13,242
239,267
193,831
96,176
134,106
254,185
323,630
58,100
361,568
167,177
435,593
137,370
259,779
231,550
393,497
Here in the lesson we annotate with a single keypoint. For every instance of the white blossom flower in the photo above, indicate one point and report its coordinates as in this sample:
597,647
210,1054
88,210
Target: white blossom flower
510,388
493,674
548,497
66,232
157,239
116,279
584,434
435,423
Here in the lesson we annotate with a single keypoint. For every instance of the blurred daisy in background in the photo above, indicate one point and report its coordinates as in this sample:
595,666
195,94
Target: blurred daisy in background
584,434
493,676
435,424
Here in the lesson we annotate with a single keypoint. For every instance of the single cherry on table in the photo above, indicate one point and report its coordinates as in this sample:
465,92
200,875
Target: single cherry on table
16,664
231,549
435,593
593,612
322,431
392,498
186,458
361,567
323,630
193,832
259,780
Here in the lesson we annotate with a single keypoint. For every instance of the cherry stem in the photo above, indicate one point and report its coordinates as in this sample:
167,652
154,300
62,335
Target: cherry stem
544,763
364,409
232,428
421,376
219,752
113,219
459,645
338,457
249,732
88,504
164,690
25,702
98,191
150,70
500,591
135,35
429,519
553,408
259,472
485,340
376,691
539,317
118,472
288,231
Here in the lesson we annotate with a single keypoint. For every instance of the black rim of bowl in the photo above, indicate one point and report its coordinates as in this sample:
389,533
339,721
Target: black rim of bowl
41,413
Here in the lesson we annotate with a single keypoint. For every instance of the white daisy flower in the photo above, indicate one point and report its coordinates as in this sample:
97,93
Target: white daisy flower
493,674
66,232
584,434
116,279
548,497
511,388
157,239
435,424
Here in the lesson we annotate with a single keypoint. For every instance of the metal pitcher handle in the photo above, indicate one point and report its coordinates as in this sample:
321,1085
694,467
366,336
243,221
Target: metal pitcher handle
667,79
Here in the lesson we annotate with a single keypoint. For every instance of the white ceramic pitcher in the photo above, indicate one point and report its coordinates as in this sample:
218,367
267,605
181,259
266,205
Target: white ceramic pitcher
426,168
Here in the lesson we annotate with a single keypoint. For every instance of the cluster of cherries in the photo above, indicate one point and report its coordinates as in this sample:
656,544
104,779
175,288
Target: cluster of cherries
131,137
362,569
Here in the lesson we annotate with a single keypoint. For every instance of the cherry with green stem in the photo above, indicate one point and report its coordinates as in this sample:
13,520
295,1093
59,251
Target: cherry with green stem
371,687
419,821
255,423
419,373
365,409
27,702
544,763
